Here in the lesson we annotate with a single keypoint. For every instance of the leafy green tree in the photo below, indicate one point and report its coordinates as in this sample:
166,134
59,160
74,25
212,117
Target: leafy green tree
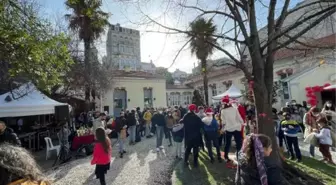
164,72
89,21
197,98
29,49
201,43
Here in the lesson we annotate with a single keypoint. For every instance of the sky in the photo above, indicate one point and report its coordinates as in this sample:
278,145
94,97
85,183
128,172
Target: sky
161,48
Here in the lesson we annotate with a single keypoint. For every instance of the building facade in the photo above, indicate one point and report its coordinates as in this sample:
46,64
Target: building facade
123,48
293,71
178,95
134,89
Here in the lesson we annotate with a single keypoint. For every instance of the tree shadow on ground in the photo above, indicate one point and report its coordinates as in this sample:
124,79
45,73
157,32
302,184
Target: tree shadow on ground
311,170
161,168
62,171
206,174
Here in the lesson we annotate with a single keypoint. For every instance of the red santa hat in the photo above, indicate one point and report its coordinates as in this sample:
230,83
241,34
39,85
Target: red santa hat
208,111
192,107
225,99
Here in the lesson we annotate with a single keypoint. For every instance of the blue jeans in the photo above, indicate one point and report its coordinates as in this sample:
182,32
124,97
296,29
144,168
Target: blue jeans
147,132
159,135
132,132
121,143
228,138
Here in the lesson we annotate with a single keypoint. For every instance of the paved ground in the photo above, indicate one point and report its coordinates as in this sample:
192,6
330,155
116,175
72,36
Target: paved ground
141,165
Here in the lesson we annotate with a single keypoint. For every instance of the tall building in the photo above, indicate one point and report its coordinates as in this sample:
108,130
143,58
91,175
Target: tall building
123,48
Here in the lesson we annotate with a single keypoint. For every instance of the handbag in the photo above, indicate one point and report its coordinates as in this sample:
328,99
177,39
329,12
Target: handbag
123,133
315,141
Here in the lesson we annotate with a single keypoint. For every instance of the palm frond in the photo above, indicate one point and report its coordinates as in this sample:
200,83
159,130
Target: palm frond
87,18
202,32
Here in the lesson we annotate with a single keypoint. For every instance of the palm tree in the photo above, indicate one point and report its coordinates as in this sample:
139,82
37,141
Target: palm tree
201,43
89,21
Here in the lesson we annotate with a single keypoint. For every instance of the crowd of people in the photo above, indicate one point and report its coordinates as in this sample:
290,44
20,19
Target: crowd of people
198,128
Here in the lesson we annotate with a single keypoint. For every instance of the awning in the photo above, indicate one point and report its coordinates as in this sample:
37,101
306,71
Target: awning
232,92
330,87
26,100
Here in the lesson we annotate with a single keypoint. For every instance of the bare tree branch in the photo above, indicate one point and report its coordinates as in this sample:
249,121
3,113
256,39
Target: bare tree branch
327,12
305,30
178,53
204,12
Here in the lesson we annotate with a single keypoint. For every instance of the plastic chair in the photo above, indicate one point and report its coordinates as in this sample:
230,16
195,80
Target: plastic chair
51,147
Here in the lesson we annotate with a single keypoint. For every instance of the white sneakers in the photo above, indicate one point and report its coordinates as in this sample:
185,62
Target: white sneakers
159,148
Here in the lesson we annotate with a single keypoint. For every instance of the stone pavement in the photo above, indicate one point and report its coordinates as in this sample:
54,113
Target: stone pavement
141,165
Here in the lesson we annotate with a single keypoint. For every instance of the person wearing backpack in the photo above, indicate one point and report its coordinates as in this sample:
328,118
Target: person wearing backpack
211,132
178,136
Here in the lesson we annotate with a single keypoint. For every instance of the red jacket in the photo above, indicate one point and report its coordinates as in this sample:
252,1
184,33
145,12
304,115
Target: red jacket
242,112
100,156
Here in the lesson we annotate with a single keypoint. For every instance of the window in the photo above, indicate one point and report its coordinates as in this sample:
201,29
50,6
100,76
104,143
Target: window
120,29
285,90
107,108
118,103
214,90
115,49
283,75
112,27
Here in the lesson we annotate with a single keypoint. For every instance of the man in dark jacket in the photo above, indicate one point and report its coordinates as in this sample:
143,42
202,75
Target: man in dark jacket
120,128
131,120
192,125
8,135
159,121
141,126
183,111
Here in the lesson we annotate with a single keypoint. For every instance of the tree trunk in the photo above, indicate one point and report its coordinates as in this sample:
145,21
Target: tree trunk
205,81
263,102
87,77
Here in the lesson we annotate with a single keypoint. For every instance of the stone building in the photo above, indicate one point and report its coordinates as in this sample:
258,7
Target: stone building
131,89
123,48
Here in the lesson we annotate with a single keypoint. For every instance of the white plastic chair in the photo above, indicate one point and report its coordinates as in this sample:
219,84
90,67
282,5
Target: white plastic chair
51,147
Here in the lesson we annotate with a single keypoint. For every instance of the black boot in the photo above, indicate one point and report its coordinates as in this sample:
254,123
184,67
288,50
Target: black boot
121,155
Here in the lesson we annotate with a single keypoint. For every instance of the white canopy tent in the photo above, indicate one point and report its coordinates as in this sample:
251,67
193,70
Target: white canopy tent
330,87
26,100
232,92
